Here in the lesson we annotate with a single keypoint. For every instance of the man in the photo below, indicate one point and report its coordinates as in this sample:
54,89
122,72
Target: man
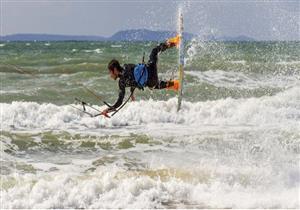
141,75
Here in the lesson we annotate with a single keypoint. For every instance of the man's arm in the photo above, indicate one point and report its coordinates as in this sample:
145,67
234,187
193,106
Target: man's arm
120,98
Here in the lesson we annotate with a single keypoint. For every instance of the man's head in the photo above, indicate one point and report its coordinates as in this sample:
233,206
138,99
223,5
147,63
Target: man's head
114,69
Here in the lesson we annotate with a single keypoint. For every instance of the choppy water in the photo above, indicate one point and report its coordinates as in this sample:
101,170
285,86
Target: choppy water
234,144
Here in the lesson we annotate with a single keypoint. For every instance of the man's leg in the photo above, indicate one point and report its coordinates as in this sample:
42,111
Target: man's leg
153,81
161,85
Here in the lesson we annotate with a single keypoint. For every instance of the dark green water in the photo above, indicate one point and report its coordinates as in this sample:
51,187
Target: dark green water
55,72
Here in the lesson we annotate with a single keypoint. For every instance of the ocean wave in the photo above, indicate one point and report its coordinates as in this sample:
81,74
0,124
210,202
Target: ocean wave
116,45
243,62
219,78
288,63
280,109
115,188
227,153
98,51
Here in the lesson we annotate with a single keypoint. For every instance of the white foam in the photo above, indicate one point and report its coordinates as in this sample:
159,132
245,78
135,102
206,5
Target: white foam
116,188
281,109
288,63
116,45
228,153
221,78
242,62
67,59
98,51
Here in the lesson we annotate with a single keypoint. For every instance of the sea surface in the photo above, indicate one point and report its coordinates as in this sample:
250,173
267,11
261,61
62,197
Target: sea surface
234,144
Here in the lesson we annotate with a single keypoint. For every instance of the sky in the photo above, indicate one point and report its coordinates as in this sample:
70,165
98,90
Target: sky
259,19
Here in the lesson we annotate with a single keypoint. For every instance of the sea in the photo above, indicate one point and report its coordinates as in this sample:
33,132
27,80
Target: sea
235,143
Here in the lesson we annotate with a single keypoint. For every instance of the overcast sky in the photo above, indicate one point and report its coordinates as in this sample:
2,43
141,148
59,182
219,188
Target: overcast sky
261,19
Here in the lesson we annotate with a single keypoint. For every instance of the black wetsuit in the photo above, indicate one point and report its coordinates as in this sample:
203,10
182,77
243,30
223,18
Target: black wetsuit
126,77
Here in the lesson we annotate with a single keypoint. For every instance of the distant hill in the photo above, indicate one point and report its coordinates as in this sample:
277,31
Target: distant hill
126,35
49,37
228,38
146,35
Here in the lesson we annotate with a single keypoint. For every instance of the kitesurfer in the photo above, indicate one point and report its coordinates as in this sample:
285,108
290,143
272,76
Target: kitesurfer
140,75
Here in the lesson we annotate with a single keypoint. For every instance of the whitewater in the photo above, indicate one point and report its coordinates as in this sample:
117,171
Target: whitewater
235,143
228,153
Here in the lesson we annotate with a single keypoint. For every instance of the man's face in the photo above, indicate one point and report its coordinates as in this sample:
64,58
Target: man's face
113,73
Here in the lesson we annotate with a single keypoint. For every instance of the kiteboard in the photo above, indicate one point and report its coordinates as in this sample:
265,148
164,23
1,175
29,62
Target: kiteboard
181,58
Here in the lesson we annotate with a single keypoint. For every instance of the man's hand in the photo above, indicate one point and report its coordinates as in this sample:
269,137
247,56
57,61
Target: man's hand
105,112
